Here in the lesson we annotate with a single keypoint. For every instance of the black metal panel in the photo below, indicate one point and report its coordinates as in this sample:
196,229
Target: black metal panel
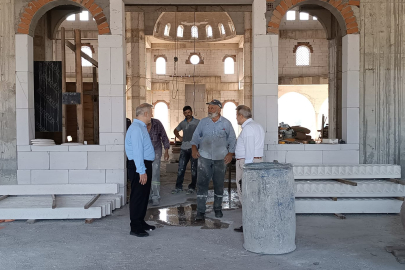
71,98
48,96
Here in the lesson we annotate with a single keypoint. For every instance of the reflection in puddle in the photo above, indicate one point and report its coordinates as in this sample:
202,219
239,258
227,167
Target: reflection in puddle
184,214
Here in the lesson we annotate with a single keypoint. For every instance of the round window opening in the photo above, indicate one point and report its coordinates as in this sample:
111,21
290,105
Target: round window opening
195,59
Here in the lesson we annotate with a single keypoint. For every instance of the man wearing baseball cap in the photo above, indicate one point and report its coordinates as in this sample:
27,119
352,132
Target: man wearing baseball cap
213,144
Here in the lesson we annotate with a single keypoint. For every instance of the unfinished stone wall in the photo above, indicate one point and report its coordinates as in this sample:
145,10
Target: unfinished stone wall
8,151
382,80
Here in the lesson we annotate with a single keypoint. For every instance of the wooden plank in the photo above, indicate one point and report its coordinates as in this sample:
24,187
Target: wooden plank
334,199
93,200
340,216
53,201
347,182
89,220
79,86
399,198
71,46
397,181
3,197
63,50
60,189
95,106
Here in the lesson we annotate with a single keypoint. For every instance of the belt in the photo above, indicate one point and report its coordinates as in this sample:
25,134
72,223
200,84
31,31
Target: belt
253,158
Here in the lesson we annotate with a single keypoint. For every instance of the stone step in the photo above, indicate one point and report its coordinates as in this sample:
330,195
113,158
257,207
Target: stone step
61,189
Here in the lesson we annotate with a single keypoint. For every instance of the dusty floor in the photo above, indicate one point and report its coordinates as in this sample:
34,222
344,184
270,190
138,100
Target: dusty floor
323,242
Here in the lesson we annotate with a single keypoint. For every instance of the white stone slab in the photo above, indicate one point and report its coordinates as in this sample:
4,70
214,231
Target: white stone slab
87,148
59,189
49,213
118,66
351,125
117,17
351,52
23,126
105,112
321,147
344,157
112,90
23,148
106,160
116,176
286,147
267,89
33,160
304,157
104,61
351,89
49,177
350,146
112,138
118,119
23,177
362,171
110,41
115,148
272,64
24,53
272,114
24,90
86,176
49,148
271,138
259,26
259,65
347,206
68,160
260,110
270,156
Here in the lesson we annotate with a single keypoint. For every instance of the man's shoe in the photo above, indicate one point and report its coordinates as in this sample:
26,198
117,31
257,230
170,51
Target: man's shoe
155,202
176,190
240,229
199,216
190,191
139,233
148,227
218,214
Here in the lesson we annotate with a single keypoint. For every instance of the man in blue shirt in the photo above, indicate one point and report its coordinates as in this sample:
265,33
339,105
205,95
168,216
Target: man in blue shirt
140,153
215,139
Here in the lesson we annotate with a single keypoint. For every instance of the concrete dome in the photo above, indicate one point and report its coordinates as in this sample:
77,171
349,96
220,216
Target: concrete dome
207,26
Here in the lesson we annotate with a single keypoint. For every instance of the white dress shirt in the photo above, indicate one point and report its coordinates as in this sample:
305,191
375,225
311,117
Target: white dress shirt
250,143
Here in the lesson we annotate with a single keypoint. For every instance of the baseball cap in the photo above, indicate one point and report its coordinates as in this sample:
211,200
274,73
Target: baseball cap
215,102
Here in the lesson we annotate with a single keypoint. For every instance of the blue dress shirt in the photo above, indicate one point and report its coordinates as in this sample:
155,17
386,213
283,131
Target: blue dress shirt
138,145
215,140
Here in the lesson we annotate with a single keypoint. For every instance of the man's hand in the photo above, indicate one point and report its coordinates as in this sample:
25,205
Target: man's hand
180,138
143,178
166,157
195,153
228,158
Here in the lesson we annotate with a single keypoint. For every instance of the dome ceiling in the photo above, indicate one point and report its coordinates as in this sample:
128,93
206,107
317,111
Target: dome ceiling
190,26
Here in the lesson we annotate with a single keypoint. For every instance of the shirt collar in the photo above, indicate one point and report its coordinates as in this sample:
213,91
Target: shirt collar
247,122
185,119
139,122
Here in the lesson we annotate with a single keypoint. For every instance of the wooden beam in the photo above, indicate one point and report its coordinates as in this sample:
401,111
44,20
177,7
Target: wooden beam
3,197
88,220
397,181
95,107
71,46
347,182
63,50
93,200
79,87
53,201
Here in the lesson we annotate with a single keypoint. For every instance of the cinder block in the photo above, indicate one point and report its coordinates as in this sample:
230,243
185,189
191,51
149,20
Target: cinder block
271,138
24,53
341,157
50,148
286,147
117,17
116,176
322,147
112,138
104,60
270,156
23,126
106,160
350,146
260,110
272,65
23,148
105,113
33,160
351,89
110,41
351,52
272,113
86,176
48,177
118,66
68,160
304,157
265,89
259,65
115,148
24,177
87,148
118,119
24,90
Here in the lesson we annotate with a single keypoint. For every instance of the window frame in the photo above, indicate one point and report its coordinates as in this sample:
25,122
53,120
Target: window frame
160,70
181,27
194,31
208,28
226,68
298,50
166,31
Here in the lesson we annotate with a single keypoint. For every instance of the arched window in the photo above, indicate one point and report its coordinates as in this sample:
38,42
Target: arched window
304,16
209,31
221,29
167,30
231,27
84,16
302,56
71,17
296,110
229,65
162,114
229,112
160,66
291,15
194,32
86,50
180,30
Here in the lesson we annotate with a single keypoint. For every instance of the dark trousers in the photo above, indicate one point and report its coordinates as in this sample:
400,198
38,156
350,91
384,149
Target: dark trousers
185,157
139,195
207,169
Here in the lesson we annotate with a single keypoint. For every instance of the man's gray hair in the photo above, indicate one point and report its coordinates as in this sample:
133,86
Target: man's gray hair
245,111
143,108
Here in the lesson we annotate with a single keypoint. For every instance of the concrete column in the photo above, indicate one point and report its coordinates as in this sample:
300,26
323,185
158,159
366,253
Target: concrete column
350,88
247,61
24,50
136,57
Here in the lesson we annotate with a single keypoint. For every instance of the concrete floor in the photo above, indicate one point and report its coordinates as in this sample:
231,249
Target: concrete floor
323,242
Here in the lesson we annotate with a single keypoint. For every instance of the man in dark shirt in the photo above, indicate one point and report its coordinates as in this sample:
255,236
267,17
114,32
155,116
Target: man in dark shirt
158,136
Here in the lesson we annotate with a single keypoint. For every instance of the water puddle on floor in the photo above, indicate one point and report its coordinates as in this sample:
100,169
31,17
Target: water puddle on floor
184,214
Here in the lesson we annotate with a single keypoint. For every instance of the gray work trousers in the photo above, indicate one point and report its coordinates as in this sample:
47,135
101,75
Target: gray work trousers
207,169
155,187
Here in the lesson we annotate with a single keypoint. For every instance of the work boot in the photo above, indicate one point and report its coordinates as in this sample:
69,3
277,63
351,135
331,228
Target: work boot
190,191
139,233
218,214
240,229
148,227
200,216
155,202
177,190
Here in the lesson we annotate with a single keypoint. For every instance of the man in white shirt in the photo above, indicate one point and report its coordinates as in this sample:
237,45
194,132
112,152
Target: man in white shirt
249,146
